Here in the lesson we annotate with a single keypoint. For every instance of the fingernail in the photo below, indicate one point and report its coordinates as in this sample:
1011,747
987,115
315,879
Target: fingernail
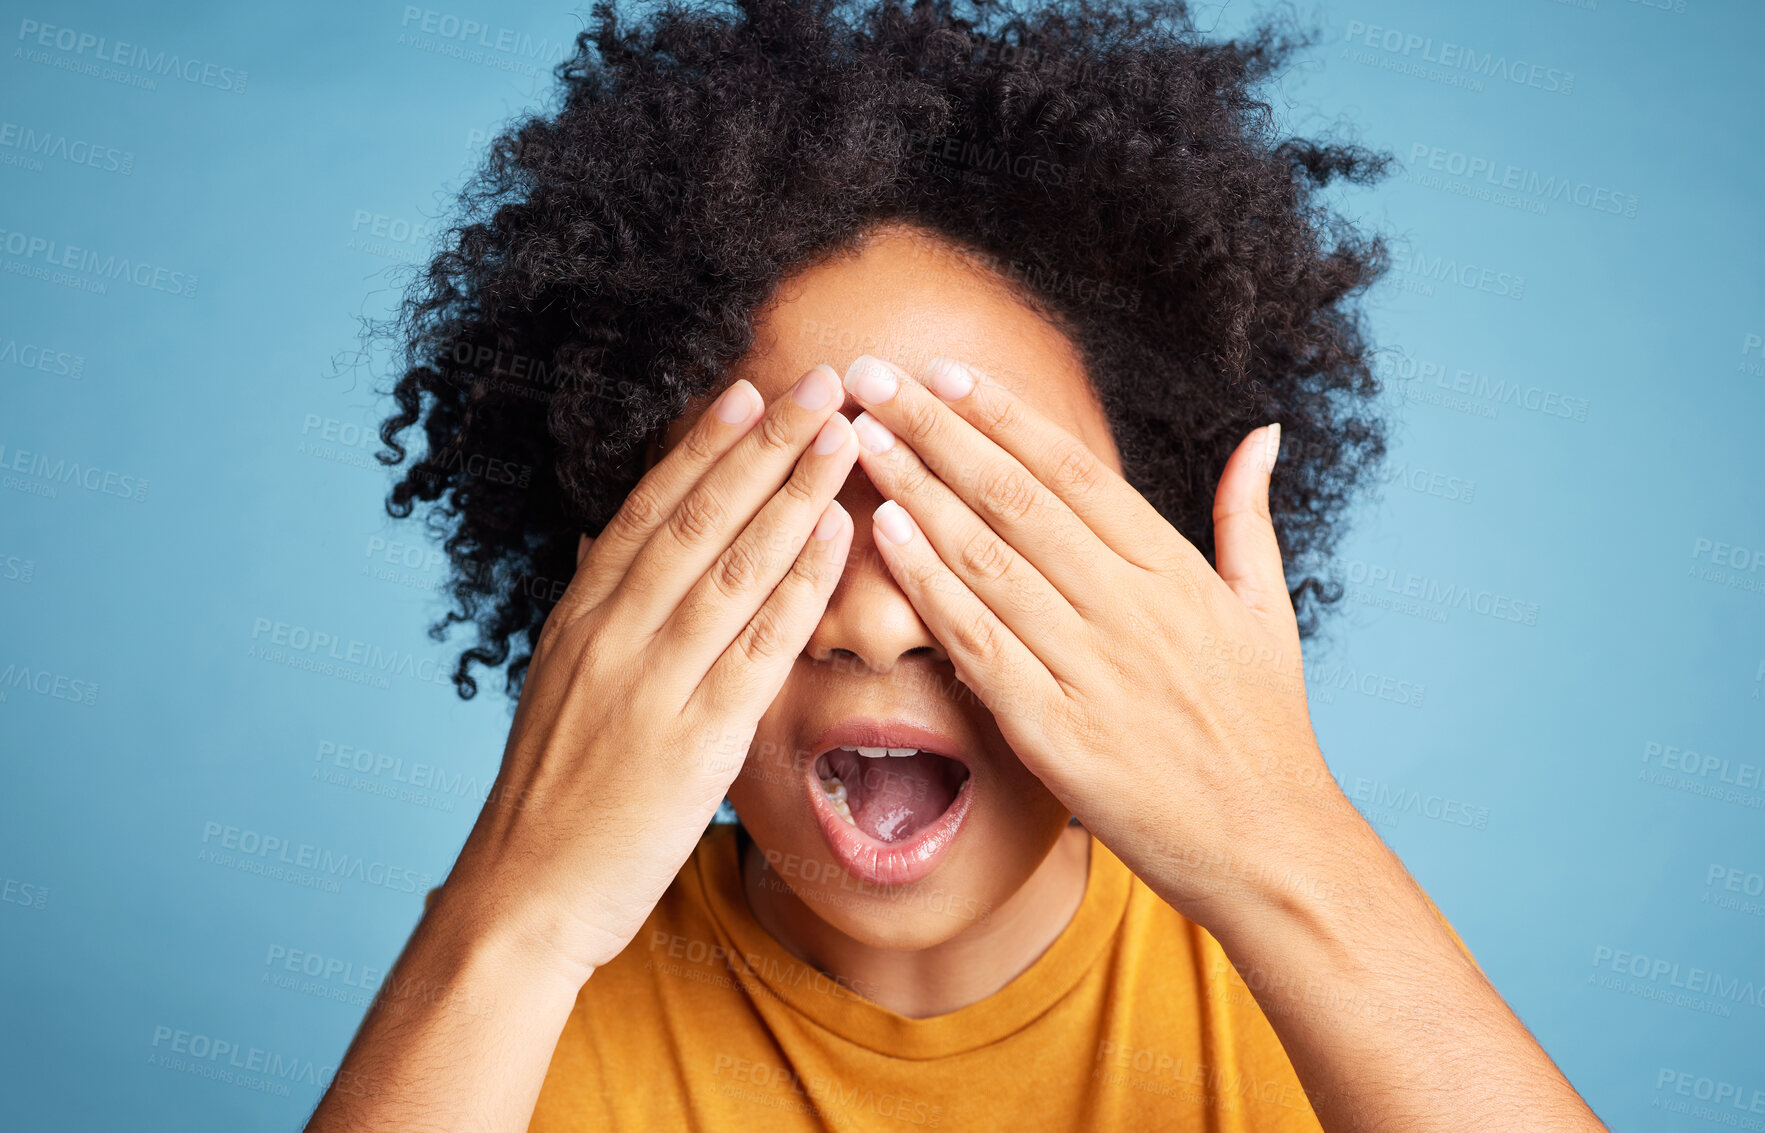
831,521
816,388
950,378
735,404
831,437
871,380
892,521
1271,447
871,433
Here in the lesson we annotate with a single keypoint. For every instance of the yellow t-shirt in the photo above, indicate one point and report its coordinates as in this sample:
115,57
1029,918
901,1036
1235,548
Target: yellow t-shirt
1133,1019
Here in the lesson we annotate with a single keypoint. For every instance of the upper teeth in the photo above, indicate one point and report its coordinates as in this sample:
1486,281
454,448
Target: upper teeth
880,752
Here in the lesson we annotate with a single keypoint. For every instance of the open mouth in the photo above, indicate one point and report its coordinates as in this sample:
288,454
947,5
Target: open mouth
889,812
890,793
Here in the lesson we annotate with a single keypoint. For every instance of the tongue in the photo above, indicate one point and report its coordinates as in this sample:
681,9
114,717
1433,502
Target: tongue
895,797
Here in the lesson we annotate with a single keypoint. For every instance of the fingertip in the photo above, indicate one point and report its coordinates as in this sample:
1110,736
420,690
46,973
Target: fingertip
950,379
832,437
892,522
738,402
1271,446
833,520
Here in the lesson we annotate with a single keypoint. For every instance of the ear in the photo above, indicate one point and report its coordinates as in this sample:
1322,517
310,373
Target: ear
583,543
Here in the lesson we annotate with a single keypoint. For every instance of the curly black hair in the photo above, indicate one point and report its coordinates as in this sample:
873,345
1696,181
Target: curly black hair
1111,163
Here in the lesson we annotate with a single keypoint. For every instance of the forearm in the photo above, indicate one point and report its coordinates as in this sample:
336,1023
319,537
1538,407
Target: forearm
458,1038
1387,1022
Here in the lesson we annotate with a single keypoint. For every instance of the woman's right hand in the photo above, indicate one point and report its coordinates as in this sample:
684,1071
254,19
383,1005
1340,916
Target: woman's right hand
650,677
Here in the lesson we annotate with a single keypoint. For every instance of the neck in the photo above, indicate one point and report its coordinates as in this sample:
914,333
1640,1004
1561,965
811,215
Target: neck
948,976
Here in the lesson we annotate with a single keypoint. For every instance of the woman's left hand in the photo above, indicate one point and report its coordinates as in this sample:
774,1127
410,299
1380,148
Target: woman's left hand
1162,701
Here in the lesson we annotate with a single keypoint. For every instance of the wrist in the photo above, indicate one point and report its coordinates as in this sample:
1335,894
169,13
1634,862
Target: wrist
1294,848
506,932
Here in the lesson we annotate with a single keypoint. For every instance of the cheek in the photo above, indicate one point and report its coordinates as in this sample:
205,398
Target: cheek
775,768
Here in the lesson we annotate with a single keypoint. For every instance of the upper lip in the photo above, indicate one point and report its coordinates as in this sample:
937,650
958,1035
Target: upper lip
861,731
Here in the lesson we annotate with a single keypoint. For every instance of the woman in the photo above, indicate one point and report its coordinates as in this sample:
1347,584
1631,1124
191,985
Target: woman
903,393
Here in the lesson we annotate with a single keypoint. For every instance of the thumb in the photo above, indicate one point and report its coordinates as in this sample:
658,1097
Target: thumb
583,543
1247,554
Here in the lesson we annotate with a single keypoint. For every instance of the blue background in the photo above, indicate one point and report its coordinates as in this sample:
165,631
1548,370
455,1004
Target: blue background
1547,586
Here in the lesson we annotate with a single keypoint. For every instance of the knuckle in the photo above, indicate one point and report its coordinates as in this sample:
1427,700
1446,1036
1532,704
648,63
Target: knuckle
911,478
1000,413
799,488
1076,471
642,510
764,636
737,570
696,447
977,637
805,571
1256,507
921,417
696,518
1008,496
925,574
985,557
775,434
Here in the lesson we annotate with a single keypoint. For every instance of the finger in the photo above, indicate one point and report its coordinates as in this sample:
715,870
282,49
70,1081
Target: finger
729,594
1111,507
1245,547
984,562
609,556
716,509
752,669
987,656
991,482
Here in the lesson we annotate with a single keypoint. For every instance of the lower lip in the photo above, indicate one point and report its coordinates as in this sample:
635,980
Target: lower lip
889,863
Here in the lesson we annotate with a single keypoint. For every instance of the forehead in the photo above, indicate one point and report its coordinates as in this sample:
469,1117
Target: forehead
907,296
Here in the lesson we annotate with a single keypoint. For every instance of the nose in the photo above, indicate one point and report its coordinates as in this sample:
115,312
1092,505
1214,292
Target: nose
869,621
